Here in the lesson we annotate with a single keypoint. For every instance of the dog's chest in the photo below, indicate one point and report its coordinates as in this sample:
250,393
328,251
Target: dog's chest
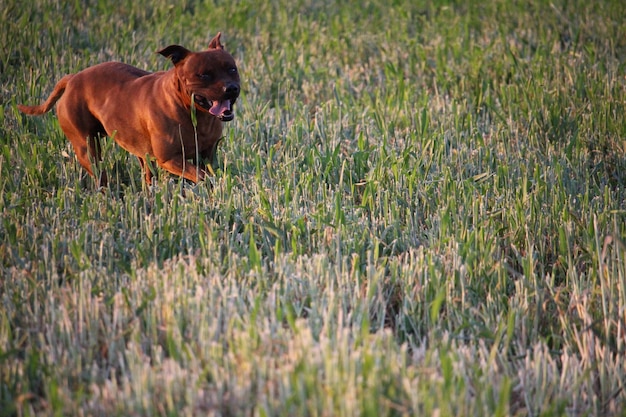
202,135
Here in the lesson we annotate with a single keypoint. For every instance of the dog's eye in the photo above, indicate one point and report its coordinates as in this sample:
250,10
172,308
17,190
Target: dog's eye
205,77
232,70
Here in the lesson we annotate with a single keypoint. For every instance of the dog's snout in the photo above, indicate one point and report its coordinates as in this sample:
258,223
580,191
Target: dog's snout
231,90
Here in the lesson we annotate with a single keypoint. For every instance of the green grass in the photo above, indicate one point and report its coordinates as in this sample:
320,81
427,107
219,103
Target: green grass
418,210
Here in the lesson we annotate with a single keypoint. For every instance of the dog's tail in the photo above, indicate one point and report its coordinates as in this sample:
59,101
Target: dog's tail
58,91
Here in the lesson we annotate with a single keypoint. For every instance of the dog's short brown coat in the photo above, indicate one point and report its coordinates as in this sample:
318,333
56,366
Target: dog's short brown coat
149,114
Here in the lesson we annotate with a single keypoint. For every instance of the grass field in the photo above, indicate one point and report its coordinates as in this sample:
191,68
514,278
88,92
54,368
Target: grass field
418,210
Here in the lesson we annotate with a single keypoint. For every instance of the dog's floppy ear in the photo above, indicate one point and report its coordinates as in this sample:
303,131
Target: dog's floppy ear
215,42
174,52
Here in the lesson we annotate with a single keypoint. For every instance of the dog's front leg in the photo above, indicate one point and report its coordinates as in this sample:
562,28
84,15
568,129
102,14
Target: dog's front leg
183,169
147,169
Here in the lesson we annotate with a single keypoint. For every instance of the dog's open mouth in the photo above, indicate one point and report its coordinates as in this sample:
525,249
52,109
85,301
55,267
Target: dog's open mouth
222,109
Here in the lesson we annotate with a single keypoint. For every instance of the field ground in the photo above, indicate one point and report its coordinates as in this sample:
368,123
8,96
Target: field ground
418,210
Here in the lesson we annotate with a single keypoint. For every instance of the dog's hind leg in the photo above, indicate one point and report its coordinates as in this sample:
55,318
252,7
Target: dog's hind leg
84,132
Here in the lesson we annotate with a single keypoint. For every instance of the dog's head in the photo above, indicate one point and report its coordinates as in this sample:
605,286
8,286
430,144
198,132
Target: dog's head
210,77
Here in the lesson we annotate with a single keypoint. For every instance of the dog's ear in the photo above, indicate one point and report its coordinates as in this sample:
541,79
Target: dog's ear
215,42
174,52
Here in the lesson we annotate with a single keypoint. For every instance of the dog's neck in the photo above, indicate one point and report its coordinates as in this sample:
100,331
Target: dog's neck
183,94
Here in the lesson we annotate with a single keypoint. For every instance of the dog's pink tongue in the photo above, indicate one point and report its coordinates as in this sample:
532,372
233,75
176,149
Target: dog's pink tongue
220,107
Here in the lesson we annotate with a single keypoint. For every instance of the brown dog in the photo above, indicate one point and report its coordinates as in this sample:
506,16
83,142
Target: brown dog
150,114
